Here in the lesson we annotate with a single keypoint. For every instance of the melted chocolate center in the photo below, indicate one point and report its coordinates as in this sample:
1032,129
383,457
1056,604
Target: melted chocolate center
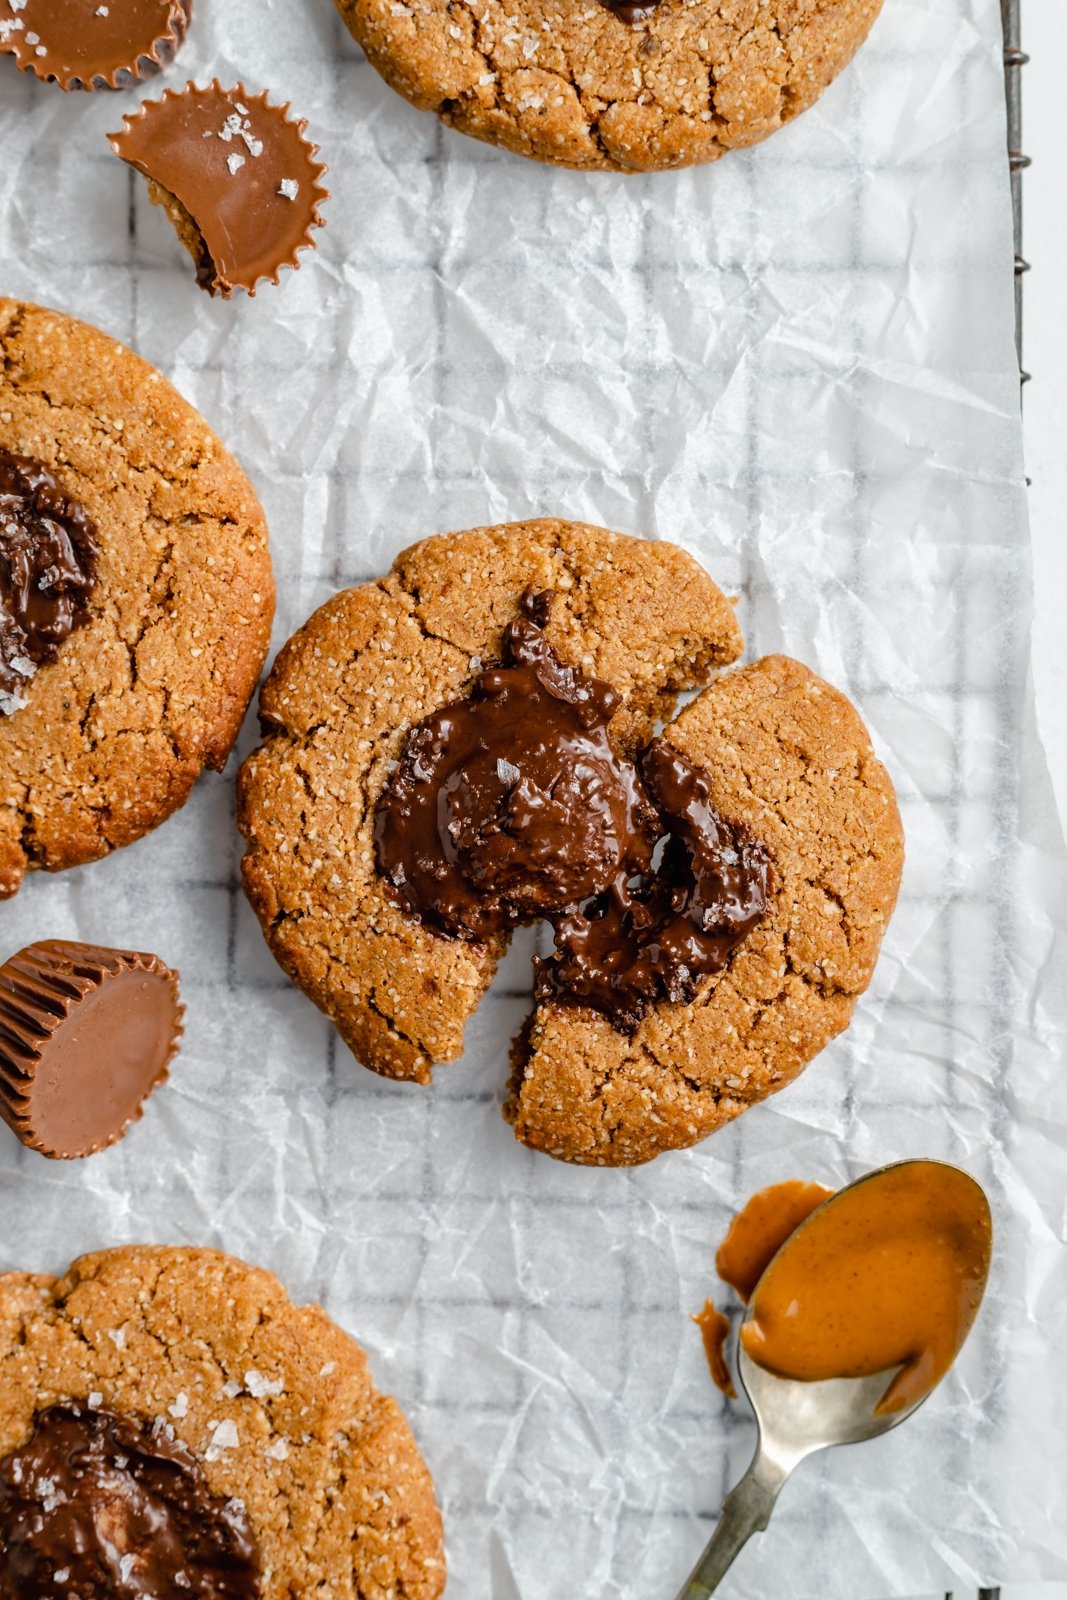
99,1506
511,805
656,938
48,562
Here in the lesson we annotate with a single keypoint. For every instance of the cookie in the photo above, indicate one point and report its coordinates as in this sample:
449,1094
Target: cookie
784,764
147,637
261,1445
617,87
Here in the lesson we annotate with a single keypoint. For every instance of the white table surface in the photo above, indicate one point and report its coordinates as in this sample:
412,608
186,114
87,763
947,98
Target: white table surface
1045,356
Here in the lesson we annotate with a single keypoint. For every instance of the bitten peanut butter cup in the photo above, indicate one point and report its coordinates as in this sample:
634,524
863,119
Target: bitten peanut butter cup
83,44
237,177
86,1034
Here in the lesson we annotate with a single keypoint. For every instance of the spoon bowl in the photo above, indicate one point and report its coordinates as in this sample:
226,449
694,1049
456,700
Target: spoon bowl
795,1419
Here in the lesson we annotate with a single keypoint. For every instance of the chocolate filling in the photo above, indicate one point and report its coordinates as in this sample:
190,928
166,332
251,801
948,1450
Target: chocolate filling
511,805
99,1505
48,565
626,11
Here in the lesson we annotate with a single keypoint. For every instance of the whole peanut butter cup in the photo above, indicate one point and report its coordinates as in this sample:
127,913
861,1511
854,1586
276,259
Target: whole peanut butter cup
235,174
93,44
86,1034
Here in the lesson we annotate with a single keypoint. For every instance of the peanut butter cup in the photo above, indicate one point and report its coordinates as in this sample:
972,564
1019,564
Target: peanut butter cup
237,177
86,1034
83,44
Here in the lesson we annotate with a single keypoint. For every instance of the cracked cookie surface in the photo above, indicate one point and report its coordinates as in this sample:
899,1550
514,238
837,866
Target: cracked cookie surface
274,1400
570,82
788,756
153,688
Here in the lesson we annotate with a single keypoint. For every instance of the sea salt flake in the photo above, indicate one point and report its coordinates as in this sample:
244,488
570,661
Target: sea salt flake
278,1451
61,1574
101,11
181,1580
33,38
95,1400
18,5
180,1408
506,771
7,28
126,1566
231,1389
289,188
331,1366
235,162
224,1438
258,1386
117,1337
23,666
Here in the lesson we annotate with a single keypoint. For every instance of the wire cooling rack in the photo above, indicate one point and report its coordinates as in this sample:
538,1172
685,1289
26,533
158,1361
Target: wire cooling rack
1015,59
416,1220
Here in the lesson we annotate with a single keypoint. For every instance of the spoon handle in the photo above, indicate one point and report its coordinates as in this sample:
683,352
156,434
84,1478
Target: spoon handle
745,1511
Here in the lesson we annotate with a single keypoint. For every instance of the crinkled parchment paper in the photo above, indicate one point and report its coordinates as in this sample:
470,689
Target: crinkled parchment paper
799,364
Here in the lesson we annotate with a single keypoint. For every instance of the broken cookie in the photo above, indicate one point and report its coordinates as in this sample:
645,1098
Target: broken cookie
472,742
236,176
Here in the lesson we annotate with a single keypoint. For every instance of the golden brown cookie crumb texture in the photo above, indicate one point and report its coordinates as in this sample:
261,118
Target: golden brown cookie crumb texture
275,1402
571,82
81,44
115,731
236,175
788,759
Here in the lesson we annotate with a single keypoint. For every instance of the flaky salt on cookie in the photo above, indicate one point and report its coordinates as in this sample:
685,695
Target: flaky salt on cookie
83,44
171,1424
237,177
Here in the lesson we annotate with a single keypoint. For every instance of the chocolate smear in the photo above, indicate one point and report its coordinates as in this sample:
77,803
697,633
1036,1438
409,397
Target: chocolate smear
48,565
512,805
104,1507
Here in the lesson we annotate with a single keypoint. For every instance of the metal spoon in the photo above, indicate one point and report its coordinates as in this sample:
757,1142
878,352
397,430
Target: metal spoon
793,1421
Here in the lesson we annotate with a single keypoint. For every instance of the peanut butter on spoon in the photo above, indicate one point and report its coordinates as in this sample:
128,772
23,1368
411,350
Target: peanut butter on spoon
890,1274
858,1315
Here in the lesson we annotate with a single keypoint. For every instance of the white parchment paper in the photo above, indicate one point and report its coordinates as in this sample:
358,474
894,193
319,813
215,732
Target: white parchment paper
799,364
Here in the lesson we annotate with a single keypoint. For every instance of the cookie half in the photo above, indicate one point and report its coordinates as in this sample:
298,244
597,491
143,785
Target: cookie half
310,1479
120,713
613,86
789,759
337,707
